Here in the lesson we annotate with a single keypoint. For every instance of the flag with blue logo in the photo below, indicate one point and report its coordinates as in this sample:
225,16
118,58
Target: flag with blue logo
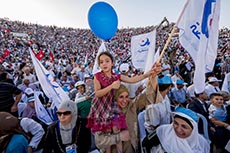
41,112
198,26
50,87
141,46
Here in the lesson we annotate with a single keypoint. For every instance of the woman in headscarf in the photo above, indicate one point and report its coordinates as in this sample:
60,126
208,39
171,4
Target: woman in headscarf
65,134
129,137
12,137
181,135
19,136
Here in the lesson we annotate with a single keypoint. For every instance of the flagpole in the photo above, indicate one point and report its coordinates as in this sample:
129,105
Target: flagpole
171,34
169,39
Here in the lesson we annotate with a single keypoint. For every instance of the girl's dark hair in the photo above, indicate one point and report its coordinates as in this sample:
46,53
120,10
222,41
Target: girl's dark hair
107,54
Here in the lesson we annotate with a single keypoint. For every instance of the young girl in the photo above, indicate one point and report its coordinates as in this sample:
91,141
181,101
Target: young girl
104,115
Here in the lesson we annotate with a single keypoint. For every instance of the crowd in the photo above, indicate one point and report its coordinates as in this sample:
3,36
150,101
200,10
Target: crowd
112,110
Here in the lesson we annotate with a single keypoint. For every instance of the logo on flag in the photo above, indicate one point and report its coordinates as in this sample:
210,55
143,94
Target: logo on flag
145,42
140,46
205,20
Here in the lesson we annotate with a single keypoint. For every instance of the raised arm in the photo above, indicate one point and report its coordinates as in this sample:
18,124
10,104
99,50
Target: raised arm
155,70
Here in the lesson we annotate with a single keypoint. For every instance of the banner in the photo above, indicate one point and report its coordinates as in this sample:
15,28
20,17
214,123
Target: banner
41,112
50,87
199,36
141,46
150,61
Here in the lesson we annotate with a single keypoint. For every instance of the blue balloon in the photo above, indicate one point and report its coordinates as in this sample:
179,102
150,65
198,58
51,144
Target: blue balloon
103,20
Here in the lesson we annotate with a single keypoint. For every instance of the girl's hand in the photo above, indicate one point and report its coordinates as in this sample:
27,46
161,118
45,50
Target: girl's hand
116,84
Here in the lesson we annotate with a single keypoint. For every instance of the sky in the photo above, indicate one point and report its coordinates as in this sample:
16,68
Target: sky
74,13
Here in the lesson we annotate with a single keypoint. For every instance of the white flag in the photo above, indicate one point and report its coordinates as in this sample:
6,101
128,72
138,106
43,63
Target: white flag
157,55
86,59
199,36
152,61
226,83
51,88
141,46
41,112
150,56
96,67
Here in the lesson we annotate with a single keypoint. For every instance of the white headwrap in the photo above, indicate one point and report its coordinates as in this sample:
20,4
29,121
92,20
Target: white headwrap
66,130
195,143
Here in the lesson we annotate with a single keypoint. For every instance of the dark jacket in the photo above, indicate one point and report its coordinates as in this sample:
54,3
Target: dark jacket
53,141
197,107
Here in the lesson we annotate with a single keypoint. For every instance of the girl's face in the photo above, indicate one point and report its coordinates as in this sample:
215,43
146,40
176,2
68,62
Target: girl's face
123,100
81,89
218,101
182,128
105,63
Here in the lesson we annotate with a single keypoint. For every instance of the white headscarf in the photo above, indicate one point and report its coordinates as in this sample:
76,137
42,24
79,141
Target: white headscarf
171,143
66,130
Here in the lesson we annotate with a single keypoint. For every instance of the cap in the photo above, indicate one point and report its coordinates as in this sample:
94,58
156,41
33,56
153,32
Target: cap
29,91
184,112
180,82
30,99
79,83
176,71
87,76
214,79
124,67
164,80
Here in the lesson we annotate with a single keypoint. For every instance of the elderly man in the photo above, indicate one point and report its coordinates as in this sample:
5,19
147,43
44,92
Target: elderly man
212,86
28,75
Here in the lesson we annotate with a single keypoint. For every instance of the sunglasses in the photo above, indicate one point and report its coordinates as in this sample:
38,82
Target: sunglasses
64,113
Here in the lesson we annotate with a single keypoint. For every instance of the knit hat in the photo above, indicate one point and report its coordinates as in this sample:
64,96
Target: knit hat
121,90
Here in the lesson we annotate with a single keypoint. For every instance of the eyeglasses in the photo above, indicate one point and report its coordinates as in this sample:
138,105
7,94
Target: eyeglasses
64,113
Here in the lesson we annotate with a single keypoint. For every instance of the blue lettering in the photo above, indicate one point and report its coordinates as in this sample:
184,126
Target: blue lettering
142,50
194,30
